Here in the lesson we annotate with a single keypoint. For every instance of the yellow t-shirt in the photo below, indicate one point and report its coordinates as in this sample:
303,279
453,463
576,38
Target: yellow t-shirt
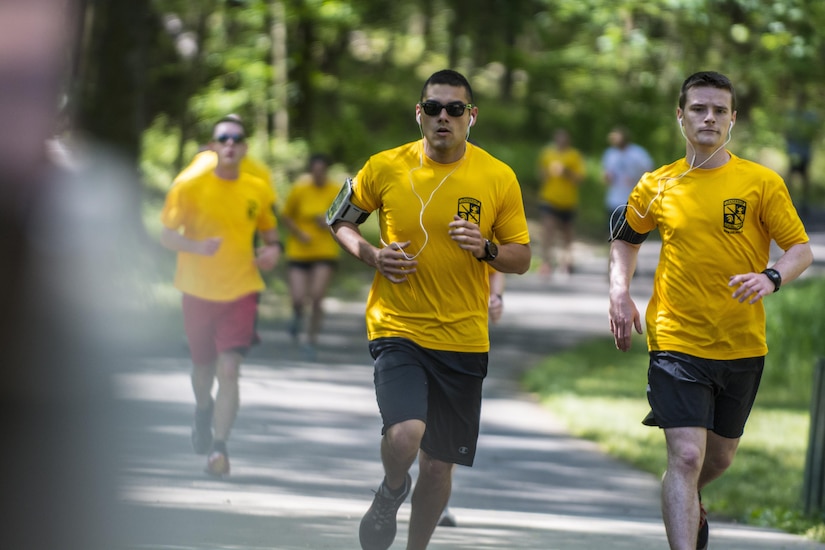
443,305
206,161
561,191
207,206
306,206
714,223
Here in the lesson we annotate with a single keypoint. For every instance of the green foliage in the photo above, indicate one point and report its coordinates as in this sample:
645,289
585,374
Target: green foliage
600,394
160,150
795,325
354,73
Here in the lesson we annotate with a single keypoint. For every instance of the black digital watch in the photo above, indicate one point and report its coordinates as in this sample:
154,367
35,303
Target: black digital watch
775,278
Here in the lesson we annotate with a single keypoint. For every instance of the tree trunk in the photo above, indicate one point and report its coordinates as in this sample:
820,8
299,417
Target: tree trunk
279,71
111,107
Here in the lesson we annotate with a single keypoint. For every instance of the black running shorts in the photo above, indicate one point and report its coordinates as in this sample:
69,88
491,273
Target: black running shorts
563,215
686,391
440,388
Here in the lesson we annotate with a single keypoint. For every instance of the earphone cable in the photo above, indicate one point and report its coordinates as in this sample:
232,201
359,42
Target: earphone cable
661,186
422,203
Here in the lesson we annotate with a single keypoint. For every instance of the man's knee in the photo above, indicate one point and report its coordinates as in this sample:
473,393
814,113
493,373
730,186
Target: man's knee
203,371
685,449
720,452
228,368
405,437
202,374
718,463
433,468
685,458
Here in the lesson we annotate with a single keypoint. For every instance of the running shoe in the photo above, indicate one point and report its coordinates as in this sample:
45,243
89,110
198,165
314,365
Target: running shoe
704,530
378,526
202,430
447,518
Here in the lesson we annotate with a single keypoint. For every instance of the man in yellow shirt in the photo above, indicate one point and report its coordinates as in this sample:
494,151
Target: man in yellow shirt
716,214
206,161
441,202
210,220
561,170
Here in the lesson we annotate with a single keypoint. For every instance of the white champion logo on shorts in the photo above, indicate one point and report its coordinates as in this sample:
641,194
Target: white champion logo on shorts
463,450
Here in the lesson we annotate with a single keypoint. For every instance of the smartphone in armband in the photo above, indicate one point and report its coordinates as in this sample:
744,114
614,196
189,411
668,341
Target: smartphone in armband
342,208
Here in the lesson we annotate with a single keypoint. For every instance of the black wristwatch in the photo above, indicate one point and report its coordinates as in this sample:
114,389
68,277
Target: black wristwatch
490,251
775,278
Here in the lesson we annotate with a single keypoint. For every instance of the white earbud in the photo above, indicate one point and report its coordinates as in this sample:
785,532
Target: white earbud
730,127
418,118
679,120
472,120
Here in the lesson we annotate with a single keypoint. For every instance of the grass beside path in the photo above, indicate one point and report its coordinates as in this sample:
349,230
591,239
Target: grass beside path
599,393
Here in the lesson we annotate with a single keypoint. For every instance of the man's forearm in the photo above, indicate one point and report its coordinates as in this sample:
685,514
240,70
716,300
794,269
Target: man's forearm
622,264
794,262
512,258
176,242
349,237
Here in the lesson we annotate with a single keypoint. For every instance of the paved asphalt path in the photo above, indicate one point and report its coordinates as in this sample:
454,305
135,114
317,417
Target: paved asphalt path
305,447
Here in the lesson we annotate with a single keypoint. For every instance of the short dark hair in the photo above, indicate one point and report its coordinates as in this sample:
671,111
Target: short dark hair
623,130
233,118
319,157
707,79
450,78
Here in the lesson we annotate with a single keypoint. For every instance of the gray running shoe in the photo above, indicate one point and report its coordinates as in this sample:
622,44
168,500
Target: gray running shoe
447,518
378,526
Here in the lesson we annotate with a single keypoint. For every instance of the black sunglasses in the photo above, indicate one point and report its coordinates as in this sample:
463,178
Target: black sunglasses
236,138
433,108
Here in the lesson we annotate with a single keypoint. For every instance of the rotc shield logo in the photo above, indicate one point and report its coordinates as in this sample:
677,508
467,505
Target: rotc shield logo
469,209
251,209
734,215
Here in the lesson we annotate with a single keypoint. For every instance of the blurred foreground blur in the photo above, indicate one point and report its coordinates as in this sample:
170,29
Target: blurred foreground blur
65,237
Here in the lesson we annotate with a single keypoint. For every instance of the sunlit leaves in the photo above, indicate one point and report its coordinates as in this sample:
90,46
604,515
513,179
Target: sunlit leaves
552,59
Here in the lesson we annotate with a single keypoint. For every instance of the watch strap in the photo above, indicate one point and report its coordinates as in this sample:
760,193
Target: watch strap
775,277
488,256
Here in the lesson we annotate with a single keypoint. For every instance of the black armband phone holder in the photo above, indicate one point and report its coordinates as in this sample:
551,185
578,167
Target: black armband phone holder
342,208
621,230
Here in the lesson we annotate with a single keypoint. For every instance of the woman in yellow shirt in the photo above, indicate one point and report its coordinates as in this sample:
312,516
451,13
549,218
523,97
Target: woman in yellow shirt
311,252
561,171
